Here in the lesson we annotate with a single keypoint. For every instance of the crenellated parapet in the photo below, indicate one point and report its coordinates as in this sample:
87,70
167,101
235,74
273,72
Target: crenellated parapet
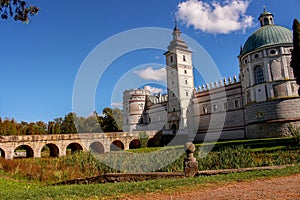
217,84
158,98
137,91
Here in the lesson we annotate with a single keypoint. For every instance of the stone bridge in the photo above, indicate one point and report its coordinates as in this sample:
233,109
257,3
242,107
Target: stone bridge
58,145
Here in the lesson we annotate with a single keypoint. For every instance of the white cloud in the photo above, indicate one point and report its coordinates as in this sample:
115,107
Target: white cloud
215,17
153,90
152,74
117,104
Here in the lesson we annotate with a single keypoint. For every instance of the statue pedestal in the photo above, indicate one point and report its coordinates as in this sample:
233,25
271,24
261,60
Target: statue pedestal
190,167
190,164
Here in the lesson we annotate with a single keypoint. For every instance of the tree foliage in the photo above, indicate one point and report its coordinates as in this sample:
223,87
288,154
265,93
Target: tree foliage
108,121
11,127
295,63
88,125
68,124
17,9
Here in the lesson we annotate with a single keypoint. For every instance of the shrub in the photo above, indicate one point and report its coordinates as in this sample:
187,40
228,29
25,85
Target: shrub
295,132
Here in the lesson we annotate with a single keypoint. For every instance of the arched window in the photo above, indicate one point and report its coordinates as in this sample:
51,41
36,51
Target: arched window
259,75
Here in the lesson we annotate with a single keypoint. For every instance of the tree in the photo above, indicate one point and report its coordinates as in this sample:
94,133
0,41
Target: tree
17,9
58,122
41,128
88,125
10,127
118,116
295,63
56,128
50,129
68,124
108,122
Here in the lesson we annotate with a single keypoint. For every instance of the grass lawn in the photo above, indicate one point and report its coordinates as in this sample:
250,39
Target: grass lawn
11,189
247,143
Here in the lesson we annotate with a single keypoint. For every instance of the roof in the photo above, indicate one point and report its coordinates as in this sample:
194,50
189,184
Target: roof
265,13
267,36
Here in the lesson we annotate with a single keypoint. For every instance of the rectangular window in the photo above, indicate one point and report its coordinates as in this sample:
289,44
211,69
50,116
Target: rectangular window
186,82
204,109
187,94
225,105
259,75
236,104
185,71
214,107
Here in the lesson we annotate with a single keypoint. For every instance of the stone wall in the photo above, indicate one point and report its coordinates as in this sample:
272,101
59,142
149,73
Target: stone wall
271,129
276,109
60,143
219,110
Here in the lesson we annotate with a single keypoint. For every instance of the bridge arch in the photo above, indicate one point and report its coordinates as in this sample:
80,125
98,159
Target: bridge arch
2,153
151,142
23,151
134,144
117,145
97,147
52,150
74,146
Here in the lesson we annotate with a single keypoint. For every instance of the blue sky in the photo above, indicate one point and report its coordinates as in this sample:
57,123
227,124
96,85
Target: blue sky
40,61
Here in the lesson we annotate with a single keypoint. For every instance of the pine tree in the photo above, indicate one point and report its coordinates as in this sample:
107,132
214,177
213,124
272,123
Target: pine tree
295,63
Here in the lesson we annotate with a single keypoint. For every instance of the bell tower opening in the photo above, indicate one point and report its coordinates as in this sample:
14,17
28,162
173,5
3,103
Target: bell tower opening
266,18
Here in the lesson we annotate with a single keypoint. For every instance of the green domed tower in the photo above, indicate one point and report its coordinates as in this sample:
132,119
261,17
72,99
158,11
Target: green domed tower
269,87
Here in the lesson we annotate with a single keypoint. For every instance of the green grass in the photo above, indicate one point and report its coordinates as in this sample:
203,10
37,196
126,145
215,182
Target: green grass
249,143
33,174
83,164
10,189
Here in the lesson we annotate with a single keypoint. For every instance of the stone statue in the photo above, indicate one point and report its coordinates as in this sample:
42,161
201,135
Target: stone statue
190,163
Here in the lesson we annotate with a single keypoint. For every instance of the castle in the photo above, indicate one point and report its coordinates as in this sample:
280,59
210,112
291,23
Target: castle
262,102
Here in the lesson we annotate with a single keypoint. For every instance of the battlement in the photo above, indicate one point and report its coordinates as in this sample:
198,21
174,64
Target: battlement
137,91
158,98
217,84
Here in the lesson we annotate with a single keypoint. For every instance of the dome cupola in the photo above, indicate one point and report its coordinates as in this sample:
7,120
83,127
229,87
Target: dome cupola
267,35
266,18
